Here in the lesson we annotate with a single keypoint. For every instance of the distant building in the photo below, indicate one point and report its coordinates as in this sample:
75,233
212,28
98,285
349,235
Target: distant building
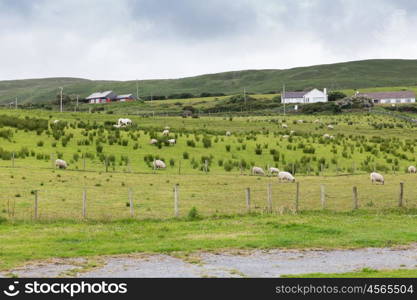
313,96
101,97
390,97
126,98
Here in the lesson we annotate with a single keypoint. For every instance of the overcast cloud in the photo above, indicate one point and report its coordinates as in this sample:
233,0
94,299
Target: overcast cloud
145,39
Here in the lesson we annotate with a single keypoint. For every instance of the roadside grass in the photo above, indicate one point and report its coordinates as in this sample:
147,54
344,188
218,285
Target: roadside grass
24,241
364,273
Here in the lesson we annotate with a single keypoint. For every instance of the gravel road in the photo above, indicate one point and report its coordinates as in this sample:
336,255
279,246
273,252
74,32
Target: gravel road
255,263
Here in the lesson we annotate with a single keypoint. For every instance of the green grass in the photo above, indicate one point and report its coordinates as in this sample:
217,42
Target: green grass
25,241
348,75
364,273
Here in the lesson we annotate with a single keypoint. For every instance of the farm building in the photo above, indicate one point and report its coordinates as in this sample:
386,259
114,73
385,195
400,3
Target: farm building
101,97
126,98
390,97
313,96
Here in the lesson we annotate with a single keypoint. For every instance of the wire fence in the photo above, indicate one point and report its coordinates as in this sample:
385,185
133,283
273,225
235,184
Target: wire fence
109,202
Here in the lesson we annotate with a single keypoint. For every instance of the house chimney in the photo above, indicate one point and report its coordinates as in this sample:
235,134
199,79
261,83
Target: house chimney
325,91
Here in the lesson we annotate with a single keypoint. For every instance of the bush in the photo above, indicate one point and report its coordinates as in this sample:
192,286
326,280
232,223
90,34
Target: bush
185,155
193,214
206,142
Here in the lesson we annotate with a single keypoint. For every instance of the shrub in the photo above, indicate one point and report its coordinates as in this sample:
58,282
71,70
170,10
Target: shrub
185,155
193,214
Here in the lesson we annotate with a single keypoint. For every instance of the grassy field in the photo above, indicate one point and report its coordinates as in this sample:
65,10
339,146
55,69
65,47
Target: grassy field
26,241
348,75
220,220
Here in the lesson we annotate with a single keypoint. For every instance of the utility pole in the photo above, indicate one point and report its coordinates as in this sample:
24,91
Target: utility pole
77,101
137,89
61,88
283,96
15,103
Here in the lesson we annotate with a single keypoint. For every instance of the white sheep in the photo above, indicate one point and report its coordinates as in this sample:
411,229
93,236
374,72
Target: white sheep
159,164
300,121
228,133
412,169
124,122
284,126
62,164
326,136
273,170
165,132
257,171
153,141
376,177
292,132
172,141
56,122
285,136
330,126
286,176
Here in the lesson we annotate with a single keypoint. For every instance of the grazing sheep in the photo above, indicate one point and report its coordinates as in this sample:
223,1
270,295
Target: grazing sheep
330,127
56,122
228,133
326,136
124,122
159,164
257,171
412,169
273,170
376,177
172,141
317,121
165,132
300,121
292,132
284,126
153,141
62,164
285,136
285,176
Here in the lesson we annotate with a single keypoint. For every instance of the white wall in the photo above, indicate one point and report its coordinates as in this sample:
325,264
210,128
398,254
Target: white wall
314,96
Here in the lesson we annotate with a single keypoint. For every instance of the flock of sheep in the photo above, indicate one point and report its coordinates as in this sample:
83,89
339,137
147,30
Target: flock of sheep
282,176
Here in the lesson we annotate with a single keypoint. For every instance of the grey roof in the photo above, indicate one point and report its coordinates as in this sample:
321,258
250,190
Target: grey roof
388,95
125,96
99,95
289,95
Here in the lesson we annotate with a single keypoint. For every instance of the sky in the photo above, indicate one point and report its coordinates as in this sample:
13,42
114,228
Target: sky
152,39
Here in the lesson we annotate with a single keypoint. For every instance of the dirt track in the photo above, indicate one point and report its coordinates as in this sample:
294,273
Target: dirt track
256,263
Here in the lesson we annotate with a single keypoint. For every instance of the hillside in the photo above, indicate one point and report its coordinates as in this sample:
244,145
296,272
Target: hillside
348,75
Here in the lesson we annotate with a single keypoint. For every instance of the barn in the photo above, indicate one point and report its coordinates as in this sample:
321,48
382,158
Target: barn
313,96
101,97
126,98
390,97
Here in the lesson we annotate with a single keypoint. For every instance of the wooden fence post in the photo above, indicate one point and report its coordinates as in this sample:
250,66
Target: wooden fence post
84,202
176,200
13,160
269,194
179,167
52,161
106,162
206,166
132,212
84,161
323,196
297,196
355,198
248,200
36,205
401,198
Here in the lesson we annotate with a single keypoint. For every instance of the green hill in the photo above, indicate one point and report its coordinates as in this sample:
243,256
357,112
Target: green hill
348,75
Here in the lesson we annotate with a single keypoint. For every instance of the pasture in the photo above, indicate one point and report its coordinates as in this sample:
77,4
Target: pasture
112,168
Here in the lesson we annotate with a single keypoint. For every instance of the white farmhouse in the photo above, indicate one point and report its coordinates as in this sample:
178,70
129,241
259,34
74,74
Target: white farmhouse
390,97
313,96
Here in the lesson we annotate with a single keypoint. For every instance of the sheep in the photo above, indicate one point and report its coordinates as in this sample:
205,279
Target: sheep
153,141
273,170
257,171
165,132
317,121
326,136
285,136
284,126
228,133
412,169
300,121
56,122
172,141
285,176
292,132
124,122
376,177
159,164
62,164
330,127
